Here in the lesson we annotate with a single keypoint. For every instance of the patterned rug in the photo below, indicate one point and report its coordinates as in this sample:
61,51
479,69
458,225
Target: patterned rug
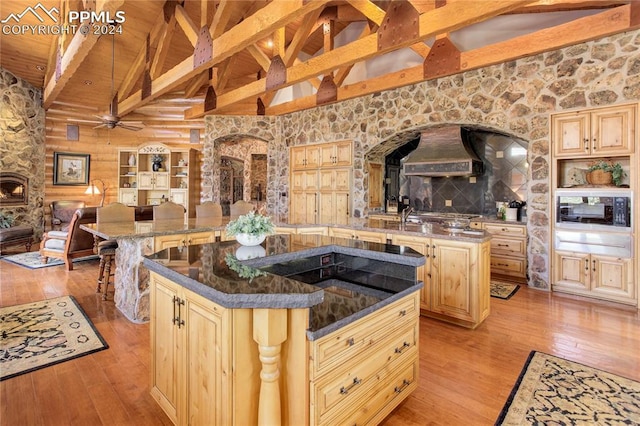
552,390
503,290
31,260
40,334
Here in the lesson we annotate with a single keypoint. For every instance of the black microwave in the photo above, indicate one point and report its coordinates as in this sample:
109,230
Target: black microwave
594,210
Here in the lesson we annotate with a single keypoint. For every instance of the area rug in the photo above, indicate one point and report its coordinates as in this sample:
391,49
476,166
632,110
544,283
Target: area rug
503,290
31,260
552,390
40,334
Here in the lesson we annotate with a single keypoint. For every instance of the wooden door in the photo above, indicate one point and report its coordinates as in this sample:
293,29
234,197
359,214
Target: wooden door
572,270
342,207
297,157
343,153
326,180
201,238
145,180
375,185
206,385
165,385
613,130
128,196
571,134
611,277
327,155
297,213
161,180
453,267
312,157
327,208
162,242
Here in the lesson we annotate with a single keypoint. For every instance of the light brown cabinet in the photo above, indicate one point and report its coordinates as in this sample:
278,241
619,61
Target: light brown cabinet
140,184
189,335
604,277
320,192
362,371
508,251
352,234
598,132
455,276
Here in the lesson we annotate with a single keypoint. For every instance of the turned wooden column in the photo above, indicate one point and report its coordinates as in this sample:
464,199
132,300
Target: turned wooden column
269,331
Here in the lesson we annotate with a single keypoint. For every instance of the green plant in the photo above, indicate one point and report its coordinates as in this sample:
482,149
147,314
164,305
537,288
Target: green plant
616,170
250,223
157,158
6,220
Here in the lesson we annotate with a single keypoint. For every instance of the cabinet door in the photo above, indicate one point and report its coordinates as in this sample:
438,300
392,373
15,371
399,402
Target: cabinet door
128,196
180,196
298,157
373,237
421,245
343,153
145,180
613,130
611,276
206,341
162,242
341,233
164,347
342,179
327,155
297,181
453,268
571,134
201,238
312,157
342,208
572,270
296,211
327,209
326,179
161,180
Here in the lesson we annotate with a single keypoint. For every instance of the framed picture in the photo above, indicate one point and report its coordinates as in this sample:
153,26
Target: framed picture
70,168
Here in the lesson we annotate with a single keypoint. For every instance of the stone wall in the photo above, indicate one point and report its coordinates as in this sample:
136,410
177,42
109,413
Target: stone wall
514,98
22,145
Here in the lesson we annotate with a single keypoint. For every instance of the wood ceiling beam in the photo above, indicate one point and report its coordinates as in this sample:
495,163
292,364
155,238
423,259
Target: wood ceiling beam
164,46
578,31
137,67
254,28
74,55
301,35
188,27
221,18
261,58
445,19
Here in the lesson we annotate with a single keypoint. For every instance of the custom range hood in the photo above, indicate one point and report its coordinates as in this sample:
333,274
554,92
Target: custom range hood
443,151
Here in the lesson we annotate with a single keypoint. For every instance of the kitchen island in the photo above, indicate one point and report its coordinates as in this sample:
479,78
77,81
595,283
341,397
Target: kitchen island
308,330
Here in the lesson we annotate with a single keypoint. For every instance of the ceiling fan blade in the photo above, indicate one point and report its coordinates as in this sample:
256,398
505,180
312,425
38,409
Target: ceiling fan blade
99,126
128,127
79,120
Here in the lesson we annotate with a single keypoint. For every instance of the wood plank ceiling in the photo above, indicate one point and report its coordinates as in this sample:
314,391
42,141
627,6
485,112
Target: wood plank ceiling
177,60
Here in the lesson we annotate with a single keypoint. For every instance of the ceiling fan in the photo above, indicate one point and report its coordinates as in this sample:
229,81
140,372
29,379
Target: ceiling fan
111,120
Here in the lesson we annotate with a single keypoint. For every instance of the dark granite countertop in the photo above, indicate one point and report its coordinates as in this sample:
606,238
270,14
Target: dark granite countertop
340,280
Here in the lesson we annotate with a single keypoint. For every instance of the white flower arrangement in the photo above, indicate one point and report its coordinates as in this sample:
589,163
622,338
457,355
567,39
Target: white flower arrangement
251,223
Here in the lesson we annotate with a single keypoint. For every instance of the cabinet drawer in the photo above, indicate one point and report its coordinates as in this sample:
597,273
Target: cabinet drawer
337,392
508,266
394,385
342,345
508,246
500,229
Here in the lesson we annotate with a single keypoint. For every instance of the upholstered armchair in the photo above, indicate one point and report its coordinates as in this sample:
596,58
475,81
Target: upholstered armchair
70,244
62,211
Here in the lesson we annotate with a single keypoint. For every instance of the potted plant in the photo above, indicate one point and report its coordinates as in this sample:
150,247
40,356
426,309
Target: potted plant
156,160
250,229
604,172
6,220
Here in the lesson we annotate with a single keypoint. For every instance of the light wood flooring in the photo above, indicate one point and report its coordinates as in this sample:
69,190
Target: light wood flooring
465,375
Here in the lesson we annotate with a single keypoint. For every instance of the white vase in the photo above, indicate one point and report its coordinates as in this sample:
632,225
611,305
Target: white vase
250,240
250,252
132,160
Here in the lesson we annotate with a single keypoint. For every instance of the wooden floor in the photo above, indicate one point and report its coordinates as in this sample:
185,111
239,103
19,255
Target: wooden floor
465,376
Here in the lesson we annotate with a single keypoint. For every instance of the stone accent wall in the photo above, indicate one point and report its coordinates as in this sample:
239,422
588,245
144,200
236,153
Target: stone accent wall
515,98
22,144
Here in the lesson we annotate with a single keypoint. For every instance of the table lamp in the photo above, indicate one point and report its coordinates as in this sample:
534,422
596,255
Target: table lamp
93,190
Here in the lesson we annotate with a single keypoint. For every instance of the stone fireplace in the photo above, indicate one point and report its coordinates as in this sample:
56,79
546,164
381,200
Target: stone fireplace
22,152
14,189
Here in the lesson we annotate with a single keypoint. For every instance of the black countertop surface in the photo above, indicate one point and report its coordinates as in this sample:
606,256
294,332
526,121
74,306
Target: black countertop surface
340,280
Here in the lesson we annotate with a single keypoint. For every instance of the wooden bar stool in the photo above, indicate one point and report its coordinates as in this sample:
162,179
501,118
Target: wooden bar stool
107,252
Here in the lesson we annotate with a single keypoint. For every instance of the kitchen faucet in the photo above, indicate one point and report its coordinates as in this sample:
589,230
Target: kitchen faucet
405,213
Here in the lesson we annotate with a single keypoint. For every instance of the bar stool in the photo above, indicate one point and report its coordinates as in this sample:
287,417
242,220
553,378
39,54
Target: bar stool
114,212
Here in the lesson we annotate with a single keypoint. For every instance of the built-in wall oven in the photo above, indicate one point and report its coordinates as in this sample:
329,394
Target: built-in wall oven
594,221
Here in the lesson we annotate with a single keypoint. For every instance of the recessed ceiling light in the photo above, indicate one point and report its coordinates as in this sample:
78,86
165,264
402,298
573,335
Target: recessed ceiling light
88,82
40,67
269,43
